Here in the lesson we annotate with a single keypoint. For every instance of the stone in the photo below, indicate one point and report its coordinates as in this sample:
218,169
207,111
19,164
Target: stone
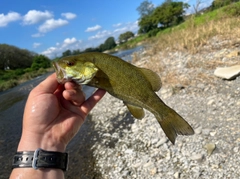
197,157
233,54
210,148
177,175
228,73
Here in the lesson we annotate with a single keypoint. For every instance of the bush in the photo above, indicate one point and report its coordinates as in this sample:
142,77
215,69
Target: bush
8,84
153,32
233,9
19,72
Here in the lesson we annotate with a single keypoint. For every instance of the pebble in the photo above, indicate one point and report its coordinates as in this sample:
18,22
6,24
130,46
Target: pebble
139,148
210,148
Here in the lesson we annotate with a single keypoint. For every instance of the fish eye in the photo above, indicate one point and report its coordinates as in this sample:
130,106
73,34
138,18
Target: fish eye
70,63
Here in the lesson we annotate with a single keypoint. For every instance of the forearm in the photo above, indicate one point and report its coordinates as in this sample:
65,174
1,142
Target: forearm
25,173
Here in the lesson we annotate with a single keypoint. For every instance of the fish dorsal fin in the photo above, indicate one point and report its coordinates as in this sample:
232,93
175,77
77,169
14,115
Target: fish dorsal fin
153,78
136,111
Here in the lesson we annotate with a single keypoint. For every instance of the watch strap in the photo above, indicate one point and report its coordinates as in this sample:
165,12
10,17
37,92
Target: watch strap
40,159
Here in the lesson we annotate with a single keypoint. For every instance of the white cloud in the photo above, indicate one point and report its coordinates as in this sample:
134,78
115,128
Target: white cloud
10,17
51,24
37,35
34,17
68,43
94,28
93,41
35,45
99,35
117,25
69,15
51,52
131,26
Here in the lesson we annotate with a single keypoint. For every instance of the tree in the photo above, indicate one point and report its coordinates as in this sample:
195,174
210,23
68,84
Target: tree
67,53
125,36
76,52
40,61
145,9
12,57
196,7
146,24
108,44
169,13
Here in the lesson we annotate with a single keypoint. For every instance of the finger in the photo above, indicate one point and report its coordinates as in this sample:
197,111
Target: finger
77,97
92,101
72,85
49,85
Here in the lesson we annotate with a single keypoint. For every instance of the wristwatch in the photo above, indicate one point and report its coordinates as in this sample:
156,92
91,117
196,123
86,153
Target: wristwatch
40,159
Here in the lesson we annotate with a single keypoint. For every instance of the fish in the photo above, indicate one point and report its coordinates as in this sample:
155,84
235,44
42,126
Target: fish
135,86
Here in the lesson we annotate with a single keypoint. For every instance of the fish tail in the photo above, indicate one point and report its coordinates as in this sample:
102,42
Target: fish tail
173,124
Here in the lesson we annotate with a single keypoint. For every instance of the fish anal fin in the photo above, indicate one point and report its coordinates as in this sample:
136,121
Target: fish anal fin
153,78
136,111
173,124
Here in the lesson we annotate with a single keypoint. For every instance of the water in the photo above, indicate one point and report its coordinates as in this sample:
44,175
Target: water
127,54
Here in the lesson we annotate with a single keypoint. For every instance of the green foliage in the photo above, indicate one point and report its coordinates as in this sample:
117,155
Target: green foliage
76,52
233,9
67,53
12,57
108,44
169,13
146,24
220,3
40,61
90,49
153,32
125,36
145,9
4,85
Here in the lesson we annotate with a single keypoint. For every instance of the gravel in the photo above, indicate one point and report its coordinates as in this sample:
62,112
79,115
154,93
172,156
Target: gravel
129,148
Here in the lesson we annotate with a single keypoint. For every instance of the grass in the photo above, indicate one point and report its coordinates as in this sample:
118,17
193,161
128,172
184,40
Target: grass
11,78
195,36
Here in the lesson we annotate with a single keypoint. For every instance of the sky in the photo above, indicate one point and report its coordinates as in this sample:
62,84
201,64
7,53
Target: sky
52,27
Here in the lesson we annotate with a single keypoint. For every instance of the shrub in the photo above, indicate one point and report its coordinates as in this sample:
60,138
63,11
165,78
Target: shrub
233,9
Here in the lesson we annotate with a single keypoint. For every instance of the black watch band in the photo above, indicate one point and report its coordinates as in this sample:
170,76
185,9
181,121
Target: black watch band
40,159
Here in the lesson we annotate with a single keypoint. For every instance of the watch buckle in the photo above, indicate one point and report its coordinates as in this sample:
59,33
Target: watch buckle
35,158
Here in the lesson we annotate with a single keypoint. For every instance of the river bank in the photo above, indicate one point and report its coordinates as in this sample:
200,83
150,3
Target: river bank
120,146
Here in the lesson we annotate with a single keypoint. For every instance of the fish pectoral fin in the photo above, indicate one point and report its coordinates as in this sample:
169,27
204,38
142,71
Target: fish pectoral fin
136,111
153,78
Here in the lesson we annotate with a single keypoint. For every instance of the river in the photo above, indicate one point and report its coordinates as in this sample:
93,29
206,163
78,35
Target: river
12,104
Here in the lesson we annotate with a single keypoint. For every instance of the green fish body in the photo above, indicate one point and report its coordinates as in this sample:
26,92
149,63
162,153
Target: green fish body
135,86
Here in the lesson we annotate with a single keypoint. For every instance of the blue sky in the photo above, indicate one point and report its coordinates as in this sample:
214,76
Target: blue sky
51,27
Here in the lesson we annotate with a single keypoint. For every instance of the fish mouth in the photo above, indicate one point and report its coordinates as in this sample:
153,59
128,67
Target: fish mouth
62,76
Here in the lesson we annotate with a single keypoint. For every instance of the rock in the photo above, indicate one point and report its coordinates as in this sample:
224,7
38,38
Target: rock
210,148
153,171
228,73
161,142
233,54
198,130
177,175
197,157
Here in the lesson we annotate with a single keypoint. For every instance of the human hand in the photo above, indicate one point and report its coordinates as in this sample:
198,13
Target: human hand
53,115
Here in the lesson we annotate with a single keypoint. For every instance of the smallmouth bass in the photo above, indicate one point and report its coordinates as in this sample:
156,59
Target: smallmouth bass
135,86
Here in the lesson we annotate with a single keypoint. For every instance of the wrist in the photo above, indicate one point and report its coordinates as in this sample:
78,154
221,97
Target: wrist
31,142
